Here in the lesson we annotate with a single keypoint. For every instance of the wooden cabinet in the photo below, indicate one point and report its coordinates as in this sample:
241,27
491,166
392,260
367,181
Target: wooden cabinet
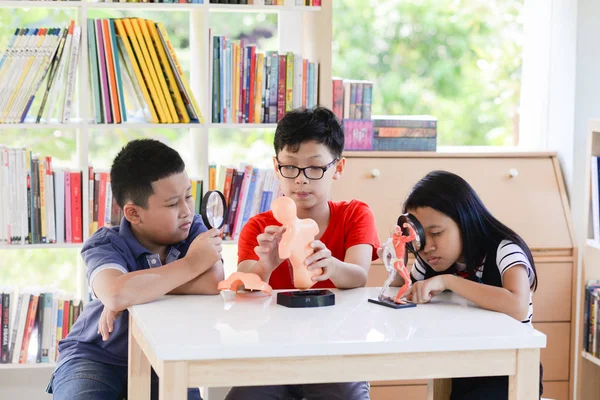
523,190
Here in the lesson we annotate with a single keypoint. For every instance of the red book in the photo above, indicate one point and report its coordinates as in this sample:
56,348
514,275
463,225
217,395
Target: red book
65,325
102,198
281,87
251,93
76,208
30,321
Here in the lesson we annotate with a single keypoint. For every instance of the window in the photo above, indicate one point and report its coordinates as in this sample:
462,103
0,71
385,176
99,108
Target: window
457,60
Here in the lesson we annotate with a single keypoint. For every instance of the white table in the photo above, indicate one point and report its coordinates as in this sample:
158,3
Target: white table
204,341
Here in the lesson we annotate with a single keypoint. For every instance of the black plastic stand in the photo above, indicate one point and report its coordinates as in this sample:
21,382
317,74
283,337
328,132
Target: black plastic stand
388,302
306,298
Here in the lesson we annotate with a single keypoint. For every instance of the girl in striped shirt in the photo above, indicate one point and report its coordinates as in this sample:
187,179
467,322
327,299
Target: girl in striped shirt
472,254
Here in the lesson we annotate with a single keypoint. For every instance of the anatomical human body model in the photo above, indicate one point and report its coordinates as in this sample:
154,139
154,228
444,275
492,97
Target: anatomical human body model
394,250
249,280
295,241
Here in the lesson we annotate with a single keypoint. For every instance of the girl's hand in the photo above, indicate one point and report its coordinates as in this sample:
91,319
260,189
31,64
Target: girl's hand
321,258
424,291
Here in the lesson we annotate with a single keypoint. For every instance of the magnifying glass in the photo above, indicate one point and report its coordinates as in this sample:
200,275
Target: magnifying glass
419,242
213,209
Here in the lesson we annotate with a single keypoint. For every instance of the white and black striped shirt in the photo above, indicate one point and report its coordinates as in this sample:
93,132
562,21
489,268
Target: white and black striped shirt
508,255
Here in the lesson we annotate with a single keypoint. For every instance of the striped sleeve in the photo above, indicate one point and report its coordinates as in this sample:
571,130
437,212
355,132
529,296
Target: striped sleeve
510,254
417,273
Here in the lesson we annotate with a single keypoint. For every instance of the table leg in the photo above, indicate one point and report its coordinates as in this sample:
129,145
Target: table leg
525,384
173,384
138,385
439,389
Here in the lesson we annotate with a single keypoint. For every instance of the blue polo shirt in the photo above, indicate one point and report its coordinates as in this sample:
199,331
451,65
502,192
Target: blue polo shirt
113,248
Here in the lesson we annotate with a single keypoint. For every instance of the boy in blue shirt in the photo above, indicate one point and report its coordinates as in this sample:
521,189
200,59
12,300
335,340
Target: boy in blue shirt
160,247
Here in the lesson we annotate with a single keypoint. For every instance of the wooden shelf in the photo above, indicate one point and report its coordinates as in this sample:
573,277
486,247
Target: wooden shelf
27,366
590,358
41,246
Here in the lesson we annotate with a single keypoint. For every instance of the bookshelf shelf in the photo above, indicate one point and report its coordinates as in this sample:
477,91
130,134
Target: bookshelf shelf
41,246
39,4
142,125
591,358
27,366
242,126
258,8
145,6
588,372
243,8
41,126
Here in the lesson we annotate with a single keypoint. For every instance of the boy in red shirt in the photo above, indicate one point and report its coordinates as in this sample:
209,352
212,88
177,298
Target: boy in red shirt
308,147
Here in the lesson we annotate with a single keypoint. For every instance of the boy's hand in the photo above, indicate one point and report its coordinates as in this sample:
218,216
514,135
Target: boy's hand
268,247
205,248
424,291
107,322
321,258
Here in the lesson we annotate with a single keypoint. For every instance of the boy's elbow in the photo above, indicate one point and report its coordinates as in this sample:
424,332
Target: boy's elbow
214,276
115,299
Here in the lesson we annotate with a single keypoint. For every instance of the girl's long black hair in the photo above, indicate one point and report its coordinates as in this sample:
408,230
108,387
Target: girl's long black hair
451,195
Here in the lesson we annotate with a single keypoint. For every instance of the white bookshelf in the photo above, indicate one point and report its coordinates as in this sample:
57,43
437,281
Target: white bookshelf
304,30
588,376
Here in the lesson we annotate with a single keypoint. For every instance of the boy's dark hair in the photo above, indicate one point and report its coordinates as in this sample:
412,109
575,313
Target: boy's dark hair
137,165
305,125
451,195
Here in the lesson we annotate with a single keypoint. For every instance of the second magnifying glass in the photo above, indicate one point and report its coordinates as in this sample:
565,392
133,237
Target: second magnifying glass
213,209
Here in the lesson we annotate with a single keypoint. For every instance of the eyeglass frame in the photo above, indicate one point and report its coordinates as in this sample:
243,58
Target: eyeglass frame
303,170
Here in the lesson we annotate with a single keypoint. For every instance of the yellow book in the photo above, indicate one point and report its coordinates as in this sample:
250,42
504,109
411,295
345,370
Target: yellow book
34,41
182,113
162,82
194,190
195,110
212,177
235,85
136,68
154,95
260,72
289,84
158,94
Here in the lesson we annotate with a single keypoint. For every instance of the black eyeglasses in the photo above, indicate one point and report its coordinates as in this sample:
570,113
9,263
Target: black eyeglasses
313,173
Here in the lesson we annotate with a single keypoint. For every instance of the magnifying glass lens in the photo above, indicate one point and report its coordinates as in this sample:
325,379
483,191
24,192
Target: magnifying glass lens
213,209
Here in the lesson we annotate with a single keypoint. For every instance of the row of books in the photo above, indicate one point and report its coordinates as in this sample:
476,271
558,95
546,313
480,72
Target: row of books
253,87
391,133
352,99
103,208
269,2
404,133
39,59
38,203
33,322
153,1
133,66
248,191
591,339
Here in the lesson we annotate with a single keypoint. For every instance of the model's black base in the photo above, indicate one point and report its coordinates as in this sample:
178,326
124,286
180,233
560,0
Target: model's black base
388,302
306,298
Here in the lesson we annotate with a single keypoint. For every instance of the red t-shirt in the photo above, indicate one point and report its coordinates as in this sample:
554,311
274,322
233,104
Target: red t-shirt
350,223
